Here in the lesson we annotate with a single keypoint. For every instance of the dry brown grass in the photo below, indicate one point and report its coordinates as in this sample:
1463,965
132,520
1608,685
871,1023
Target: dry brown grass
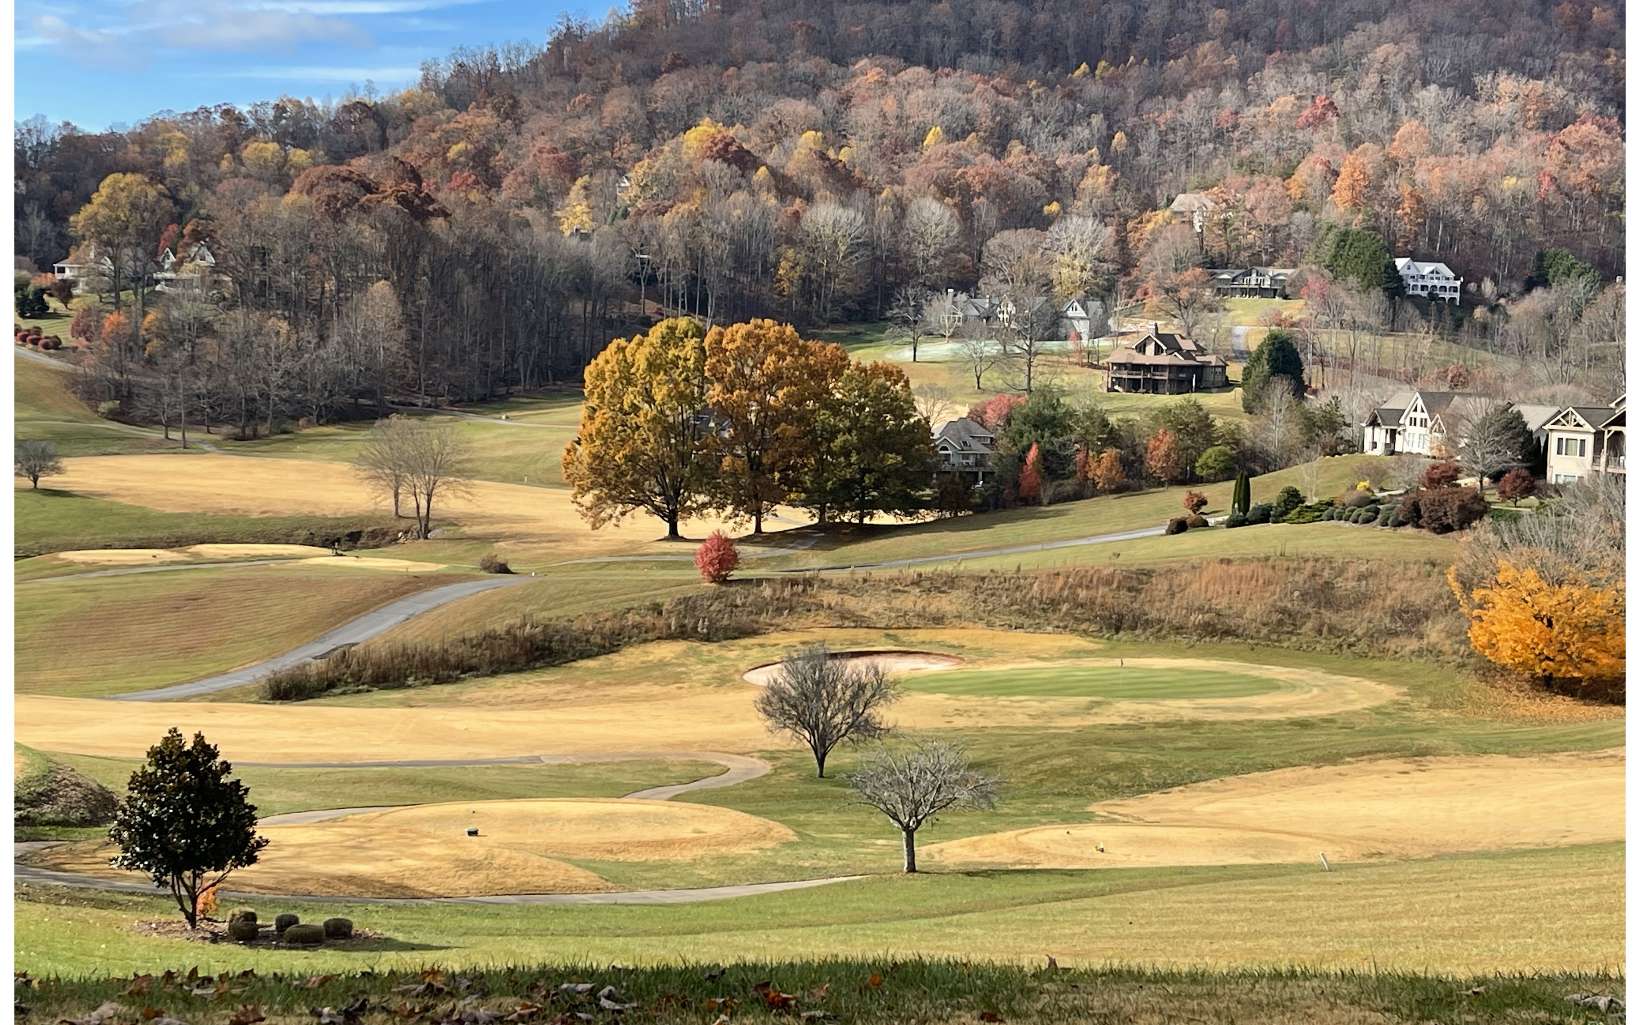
1391,808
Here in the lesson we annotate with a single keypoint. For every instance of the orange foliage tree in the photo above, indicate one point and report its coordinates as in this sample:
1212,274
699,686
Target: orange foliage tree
1569,631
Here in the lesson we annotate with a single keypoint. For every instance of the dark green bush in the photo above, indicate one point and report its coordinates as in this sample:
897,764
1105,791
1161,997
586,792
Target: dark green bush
1177,525
1235,519
1261,513
338,928
1386,513
242,914
243,930
307,935
1310,513
284,921
1287,499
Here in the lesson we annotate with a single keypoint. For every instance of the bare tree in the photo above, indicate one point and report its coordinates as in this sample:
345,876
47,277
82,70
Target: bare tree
980,353
408,456
909,315
824,701
913,784
935,404
929,236
36,459
383,462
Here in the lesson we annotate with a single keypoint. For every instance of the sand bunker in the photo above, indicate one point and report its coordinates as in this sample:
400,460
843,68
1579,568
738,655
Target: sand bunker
254,551
892,663
1394,808
425,850
122,556
383,565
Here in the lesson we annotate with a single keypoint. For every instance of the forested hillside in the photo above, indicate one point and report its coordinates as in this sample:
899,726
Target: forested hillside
495,225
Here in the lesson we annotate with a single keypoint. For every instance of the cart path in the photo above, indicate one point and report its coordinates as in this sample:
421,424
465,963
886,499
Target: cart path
354,631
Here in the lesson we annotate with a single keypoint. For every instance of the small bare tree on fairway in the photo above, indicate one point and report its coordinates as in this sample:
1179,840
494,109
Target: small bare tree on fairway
914,783
824,701
185,821
414,457
36,459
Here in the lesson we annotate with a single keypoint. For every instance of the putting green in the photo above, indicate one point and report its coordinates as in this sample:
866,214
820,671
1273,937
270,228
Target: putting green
1102,681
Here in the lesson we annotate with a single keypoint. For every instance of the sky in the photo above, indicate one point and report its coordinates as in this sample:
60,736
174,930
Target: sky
102,63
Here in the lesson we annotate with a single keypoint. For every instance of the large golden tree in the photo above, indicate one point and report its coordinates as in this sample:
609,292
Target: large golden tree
644,441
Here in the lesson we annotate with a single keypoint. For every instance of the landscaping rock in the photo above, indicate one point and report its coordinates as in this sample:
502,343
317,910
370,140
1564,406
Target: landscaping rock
304,935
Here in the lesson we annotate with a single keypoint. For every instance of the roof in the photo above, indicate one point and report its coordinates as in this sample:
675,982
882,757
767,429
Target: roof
1158,348
965,435
1406,265
1190,202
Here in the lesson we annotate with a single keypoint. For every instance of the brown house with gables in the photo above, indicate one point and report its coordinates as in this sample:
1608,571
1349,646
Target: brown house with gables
1162,363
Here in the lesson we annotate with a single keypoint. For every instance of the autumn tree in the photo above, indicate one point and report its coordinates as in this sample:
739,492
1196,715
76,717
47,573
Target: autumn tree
870,451
1163,458
1517,484
123,221
643,445
717,557
1107,473
1029,487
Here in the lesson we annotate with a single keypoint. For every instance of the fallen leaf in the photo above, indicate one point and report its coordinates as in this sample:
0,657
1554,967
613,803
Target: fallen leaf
989,1016
776,1000
875,981
721,1003
248,1014
315,981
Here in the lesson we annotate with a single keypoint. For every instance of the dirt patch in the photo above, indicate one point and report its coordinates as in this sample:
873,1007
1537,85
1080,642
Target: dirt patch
1392,808
891,662
425,851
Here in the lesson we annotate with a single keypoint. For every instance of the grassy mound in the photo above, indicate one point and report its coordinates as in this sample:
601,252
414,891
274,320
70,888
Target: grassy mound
867,991
52,794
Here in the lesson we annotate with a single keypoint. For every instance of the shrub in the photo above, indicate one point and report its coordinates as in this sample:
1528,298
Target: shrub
1439,475
1370,512
285,921
1235,519
1410,510
243,930
1516,485
1447,509
1216,463
1194,501
716,558
338,928
205,906
1386,513
1260,513
1310,513
1359,499
493,563
1177,525
304,935
1196,521
1287,499
241,915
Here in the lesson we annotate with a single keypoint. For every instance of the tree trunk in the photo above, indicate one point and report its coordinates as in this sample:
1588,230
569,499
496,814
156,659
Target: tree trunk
757,518
672,525
820,763
910,838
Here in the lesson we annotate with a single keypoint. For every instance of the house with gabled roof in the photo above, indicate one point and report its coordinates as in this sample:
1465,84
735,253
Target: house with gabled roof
1428,279
1195,205
965,447
1251,282
1587,439
1434,423
1161,362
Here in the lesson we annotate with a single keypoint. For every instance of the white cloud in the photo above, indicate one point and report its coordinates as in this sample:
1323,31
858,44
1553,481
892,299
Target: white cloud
133,32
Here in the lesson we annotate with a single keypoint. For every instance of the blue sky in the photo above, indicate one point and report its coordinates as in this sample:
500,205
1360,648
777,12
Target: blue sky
104,62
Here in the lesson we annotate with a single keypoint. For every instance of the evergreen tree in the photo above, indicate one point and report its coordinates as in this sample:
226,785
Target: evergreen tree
1275,358
1241,497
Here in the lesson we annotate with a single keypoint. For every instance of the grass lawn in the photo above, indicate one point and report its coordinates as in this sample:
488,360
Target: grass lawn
1539,910
1109,514
108,635
56,521
45,410
1106,683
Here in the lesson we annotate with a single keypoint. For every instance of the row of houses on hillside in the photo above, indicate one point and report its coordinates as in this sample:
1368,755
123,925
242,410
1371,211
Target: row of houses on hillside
1576,440
196,268
1075,319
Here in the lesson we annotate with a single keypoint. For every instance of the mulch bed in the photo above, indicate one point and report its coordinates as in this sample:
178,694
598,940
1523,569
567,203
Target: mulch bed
217,932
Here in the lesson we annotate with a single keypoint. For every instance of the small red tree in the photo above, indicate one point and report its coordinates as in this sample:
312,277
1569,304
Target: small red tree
716,558
1030,477
995,411
1107,473
1516,485
1195,502
1163,458
1440,475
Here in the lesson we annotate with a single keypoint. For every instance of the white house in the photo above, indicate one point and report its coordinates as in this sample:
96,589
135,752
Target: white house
1434,423
1586,439
82,263
192,271
1429,280
1082,319
965,447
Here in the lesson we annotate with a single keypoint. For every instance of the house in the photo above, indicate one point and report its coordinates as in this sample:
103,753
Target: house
191,272
1434,423
1258,282
960,308
1081,319
83,263
1197,205
1428,280
1163,363
1586,439
965,447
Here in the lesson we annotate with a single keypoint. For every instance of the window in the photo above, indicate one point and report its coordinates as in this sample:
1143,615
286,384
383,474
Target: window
1571,447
